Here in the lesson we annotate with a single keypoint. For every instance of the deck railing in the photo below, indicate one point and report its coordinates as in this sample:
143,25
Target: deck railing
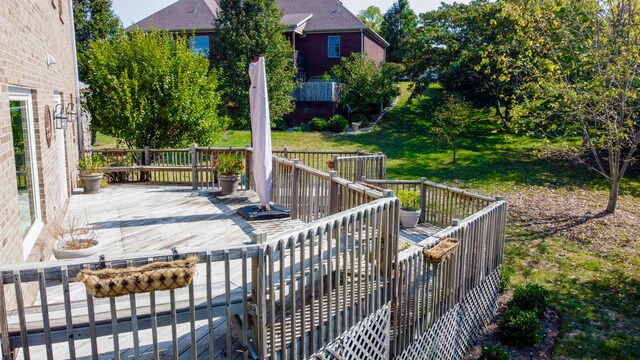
354,168
318,159
441,307
439,204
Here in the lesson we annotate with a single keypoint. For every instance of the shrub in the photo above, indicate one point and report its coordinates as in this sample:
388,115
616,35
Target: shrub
90,164
229,164
409,200
360,118
337,123
494,352
505,279
531,297
317,124
520,327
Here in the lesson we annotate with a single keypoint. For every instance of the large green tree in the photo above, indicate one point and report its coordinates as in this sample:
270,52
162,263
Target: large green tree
149,89
397,24
473,47
93,20
592,77
372,16
248,29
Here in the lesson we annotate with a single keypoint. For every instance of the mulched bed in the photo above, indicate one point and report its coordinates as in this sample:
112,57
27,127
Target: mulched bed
550,331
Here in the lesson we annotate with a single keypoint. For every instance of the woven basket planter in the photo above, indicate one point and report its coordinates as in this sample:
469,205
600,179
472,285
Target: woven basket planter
442,251
155,276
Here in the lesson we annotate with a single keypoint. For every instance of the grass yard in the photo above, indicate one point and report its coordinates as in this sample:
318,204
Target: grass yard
557,233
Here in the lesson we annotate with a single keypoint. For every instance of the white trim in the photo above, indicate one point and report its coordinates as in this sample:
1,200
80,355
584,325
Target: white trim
22,94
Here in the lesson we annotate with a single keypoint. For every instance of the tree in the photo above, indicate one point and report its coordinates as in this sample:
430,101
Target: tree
149,89
398,23
473,48
93,20
592,77
451,121
365,86
247,30
372,16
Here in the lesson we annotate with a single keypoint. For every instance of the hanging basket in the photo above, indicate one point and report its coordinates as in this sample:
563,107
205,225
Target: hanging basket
442,251
155,276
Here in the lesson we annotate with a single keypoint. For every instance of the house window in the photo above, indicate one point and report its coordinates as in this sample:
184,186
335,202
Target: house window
334,46
23,134
199,45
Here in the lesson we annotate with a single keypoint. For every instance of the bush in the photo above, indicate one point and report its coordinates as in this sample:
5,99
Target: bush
505,279
318,124
337,123
360,118
520,327
409,200
494,352
531,297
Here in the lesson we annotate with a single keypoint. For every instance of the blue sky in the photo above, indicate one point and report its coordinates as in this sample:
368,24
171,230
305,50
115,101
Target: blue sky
131,11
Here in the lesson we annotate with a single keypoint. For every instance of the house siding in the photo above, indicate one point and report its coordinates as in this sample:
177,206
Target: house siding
29,30
373,49
314,49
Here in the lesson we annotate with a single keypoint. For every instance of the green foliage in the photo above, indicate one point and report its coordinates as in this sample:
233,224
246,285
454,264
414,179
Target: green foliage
451,121
17,131
505,279
90,164
398,23
591,78
93,20
317,124
148,89
409,200
372,16
365,85
362,119
473,47
531,297
520,327
247,30
494,352
337,123
229,164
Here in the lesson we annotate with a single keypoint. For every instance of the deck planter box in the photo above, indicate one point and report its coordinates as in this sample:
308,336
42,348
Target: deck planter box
229,184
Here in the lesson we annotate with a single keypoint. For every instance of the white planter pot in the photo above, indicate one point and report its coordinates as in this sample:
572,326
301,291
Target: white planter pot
61,253
409,218
355,126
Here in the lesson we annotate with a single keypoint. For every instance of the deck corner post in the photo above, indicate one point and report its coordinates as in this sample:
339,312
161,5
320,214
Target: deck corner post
258,297
286,153
146,161
333,193
295,189
423,200
194,166
4,324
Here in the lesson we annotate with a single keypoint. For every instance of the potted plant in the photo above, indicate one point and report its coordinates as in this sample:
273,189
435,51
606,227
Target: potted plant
229,167
74,239
90,168
330,163
409,208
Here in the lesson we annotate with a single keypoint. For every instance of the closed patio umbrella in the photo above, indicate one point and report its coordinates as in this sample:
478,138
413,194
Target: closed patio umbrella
260,131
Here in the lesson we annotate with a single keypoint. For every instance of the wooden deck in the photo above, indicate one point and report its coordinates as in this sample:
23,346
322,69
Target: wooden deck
132,218
418,233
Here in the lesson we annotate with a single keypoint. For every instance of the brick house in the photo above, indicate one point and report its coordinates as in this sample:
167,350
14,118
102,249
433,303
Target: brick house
321,32
37,160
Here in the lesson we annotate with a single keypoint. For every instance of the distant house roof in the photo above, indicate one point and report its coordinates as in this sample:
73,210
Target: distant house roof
299,15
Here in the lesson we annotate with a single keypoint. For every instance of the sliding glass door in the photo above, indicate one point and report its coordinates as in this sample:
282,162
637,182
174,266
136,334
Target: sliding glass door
22,126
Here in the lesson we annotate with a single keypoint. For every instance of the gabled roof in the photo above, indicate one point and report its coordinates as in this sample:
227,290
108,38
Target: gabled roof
310,16
182,15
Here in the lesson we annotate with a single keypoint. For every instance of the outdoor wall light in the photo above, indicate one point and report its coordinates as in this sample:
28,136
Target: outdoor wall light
63,115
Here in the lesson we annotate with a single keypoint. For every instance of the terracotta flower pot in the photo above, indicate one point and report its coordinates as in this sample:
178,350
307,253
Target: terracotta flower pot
229,184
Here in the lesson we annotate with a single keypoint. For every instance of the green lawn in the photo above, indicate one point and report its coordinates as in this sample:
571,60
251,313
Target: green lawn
556,234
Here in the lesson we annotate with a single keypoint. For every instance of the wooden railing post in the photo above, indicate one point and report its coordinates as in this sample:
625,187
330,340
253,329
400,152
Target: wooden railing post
359,168
194,166
286,153
423,200
258,297
295,189
146,160
382,167
333,193
247,171
385,245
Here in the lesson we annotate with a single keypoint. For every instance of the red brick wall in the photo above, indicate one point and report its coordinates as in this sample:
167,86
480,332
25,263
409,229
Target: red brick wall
29,30
314,49
373,49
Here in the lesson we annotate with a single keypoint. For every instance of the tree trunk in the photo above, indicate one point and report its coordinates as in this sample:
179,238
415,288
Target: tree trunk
613,196
454,153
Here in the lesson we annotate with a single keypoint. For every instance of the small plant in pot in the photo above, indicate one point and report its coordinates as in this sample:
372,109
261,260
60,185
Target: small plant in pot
90,168
74,239
409,208
229,166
